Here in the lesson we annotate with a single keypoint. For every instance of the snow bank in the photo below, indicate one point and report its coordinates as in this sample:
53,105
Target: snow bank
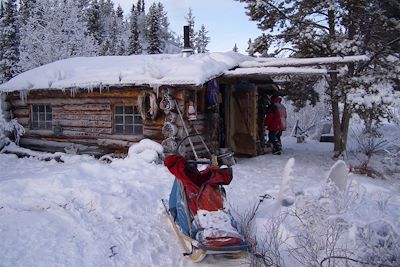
86,213
146,150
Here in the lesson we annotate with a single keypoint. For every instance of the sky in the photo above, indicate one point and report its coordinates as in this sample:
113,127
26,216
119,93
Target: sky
225,20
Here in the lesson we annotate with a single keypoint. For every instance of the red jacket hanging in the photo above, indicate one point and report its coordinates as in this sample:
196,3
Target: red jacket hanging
275,120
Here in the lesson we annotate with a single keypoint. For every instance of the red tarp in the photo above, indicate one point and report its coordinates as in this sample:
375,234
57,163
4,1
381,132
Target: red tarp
201,187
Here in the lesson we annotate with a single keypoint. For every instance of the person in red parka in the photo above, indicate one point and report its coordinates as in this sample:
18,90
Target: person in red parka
275,122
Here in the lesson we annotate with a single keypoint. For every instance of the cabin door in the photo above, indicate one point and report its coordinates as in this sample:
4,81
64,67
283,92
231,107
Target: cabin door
242,128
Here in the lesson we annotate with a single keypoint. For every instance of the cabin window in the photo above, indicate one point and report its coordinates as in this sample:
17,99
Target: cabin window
42,117
127,120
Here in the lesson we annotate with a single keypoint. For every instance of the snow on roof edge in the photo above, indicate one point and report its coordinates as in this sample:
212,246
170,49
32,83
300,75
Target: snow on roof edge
276,71
121,71
286,62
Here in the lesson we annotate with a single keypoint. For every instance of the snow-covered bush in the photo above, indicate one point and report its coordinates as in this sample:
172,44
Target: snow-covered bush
320,226
310,118
146,150
379,243
374,150
9,127
330,226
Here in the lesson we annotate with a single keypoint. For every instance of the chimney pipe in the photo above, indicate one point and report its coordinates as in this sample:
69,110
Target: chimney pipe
187,50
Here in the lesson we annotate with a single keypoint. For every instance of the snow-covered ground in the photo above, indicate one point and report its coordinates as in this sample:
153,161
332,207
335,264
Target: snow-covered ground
85,212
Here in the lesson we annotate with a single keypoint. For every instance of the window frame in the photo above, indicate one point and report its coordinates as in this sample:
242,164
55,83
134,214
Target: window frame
35,117
135,114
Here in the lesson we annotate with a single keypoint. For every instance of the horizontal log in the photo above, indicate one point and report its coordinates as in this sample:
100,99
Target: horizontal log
60,111
84,107
21,112
57,101
104,92
82,123
60,146
151,134
23,120
79,117
88,130
72,136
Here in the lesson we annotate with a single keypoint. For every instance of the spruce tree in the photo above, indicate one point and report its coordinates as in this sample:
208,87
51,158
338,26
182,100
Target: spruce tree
2,79
122,32
190,22
250,49
24,10
134,46
154,30
107,28
9,39
93,21
235,48
202,40
164,23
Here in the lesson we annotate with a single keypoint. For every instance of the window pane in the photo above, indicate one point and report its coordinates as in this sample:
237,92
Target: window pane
41,116
35,108
119,110
48,116
129,129
48,109
128,119
41,108
42,125
128,110
138,129
119,119
138,119
48,125
35,125
119,129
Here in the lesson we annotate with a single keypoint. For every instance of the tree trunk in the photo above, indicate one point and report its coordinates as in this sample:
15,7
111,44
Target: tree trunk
345,126
337,129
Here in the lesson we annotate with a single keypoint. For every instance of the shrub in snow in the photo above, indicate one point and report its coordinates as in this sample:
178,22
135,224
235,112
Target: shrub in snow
379,244
366,143
318,229
146,150
9,127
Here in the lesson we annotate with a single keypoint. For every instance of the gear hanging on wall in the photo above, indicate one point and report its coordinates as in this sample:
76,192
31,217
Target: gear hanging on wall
167,103
171,117
170,144
169,130
147,103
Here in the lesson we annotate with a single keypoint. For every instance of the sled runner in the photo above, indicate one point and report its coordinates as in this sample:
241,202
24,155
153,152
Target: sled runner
197,213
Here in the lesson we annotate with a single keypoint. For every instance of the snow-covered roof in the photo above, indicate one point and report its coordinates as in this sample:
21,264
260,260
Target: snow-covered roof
289,66
157,70
152,70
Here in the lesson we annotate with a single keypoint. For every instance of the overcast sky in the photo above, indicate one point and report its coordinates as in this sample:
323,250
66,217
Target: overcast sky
225,20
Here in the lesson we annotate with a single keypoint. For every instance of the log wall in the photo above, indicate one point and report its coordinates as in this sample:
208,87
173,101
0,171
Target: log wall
86,118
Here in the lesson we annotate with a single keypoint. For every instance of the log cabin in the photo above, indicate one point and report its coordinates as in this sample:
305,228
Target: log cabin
102,105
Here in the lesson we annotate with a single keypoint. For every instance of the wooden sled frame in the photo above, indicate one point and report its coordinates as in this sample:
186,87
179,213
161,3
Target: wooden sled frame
197,251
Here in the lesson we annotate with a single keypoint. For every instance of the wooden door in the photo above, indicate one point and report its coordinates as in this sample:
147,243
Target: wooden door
243,121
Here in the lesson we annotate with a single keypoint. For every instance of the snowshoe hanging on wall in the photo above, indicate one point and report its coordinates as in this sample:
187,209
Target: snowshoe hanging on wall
148,108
